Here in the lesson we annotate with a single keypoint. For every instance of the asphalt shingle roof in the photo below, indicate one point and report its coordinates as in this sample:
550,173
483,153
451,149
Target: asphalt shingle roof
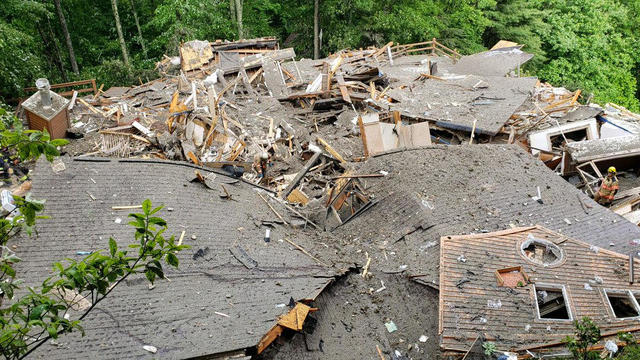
437,191
181,317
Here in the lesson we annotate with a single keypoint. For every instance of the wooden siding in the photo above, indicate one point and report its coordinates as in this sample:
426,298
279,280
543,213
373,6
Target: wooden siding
463,308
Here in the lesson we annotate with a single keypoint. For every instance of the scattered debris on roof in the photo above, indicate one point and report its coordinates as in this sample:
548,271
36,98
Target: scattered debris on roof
559,280
321,199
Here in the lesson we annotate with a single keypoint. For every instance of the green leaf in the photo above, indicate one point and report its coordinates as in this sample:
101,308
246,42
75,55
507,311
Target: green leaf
37,312
151,276
59,142
53,331
146,206
157,221
113,247
172,259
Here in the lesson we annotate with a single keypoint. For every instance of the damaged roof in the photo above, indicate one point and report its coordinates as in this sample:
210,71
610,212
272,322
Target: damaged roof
474,301
495,62
229,289
600,149
435,191
455,103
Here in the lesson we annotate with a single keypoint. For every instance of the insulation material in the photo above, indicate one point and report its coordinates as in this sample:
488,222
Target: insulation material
195,54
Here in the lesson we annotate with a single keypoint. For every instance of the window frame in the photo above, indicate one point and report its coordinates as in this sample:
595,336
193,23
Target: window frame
630,295
565,296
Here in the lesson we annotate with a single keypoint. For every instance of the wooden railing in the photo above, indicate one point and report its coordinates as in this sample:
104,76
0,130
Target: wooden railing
71,85
433,46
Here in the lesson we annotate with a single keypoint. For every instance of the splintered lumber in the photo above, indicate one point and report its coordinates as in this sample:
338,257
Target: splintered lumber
269,337
126,207
343,88
473,132
298,197
305,252
72,103
90,107
272,209
302,216
575,97
331,150
294,183
364,136
380,353
295,318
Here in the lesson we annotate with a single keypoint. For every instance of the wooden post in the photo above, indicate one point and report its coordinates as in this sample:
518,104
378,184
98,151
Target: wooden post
364,136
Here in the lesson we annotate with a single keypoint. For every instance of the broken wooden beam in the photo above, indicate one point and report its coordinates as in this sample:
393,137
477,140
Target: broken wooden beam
331,150
294,183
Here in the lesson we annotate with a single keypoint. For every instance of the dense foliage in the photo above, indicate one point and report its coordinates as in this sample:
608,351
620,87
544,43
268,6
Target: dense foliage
588,44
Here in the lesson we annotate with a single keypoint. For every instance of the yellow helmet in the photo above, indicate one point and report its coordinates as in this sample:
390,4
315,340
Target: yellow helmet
612,170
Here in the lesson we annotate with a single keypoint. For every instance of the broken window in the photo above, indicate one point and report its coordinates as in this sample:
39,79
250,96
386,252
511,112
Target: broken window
571,136
551,302
541,252
623,303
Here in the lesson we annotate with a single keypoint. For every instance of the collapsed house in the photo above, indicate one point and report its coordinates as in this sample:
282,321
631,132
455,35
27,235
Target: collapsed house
523,288
356,196
425,195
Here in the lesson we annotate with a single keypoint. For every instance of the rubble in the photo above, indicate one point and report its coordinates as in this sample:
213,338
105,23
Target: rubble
286,175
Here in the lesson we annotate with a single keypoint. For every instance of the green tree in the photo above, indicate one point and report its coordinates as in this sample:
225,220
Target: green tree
587,334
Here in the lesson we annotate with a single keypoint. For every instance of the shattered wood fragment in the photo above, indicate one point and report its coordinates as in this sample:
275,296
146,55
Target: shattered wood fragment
298,197
90,107
269,337
294,183
305,252
126,207
241,255
194,159
272,209
331,150
343,88
295,318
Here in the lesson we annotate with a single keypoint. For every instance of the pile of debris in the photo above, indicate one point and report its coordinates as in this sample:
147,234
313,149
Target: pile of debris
251,109
352,144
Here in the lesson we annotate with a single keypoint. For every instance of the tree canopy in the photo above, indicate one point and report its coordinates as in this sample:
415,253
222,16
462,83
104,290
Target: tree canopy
588,44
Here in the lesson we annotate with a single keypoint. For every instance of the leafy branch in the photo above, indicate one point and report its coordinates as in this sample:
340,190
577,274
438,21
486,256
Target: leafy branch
44,314
29,144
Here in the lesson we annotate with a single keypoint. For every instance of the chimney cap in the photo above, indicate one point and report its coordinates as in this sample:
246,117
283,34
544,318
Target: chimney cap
43,83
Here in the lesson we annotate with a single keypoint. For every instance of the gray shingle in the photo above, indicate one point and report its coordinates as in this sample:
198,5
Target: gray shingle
177,317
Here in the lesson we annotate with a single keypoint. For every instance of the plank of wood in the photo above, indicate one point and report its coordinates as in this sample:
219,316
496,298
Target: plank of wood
305,252
99,91
72,103
343,88
272,209
364,136
331,150
294,183
298,197
473,132
90,107
126,207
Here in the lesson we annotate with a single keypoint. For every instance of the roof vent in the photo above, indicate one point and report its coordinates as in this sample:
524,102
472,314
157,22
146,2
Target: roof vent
541,252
